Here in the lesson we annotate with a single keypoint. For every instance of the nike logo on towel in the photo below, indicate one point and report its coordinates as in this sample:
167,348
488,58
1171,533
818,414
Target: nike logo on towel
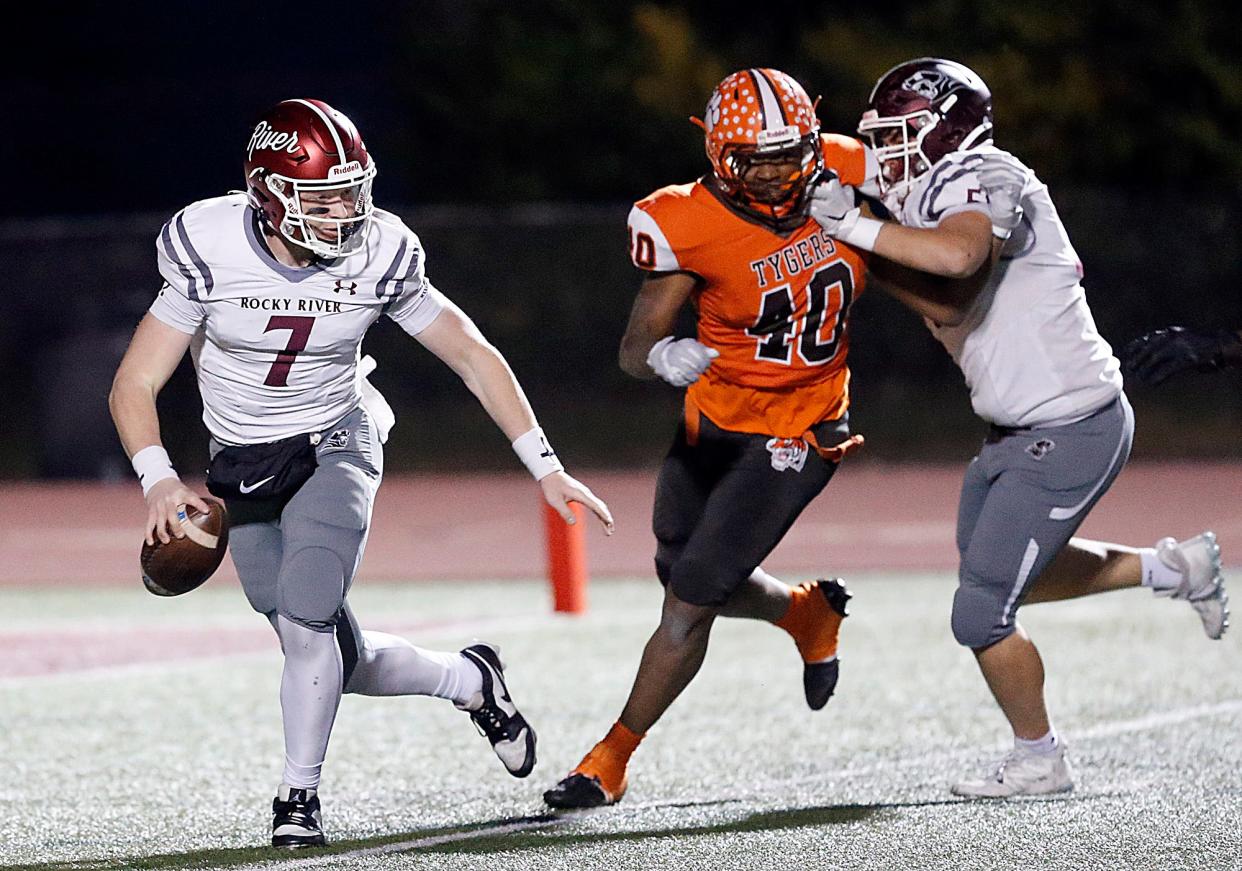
255,486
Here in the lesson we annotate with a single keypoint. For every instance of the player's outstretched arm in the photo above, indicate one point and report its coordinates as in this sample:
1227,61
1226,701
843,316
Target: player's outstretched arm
958,247
455,339
149,362
937,271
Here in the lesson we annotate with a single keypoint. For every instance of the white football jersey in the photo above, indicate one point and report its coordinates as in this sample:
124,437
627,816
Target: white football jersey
276,348
1028,347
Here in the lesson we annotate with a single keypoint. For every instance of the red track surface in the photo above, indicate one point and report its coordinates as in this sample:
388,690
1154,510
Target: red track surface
872,517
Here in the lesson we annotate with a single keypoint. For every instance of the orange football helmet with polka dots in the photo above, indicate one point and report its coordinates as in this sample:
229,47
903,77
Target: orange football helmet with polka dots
763,116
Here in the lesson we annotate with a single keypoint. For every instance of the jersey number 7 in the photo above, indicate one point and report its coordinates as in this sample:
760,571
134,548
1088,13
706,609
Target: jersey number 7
299,334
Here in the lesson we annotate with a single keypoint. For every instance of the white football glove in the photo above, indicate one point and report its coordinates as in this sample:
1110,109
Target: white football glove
680,362
1003,182
832,207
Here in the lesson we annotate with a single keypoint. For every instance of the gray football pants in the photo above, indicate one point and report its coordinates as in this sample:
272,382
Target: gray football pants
1023,498
297,571
301,567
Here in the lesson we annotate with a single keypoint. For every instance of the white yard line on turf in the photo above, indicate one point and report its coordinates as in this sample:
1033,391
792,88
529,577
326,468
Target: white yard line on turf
1156,721
414,844
1102,730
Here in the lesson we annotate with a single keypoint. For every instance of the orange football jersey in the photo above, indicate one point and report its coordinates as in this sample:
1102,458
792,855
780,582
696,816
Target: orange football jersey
773,305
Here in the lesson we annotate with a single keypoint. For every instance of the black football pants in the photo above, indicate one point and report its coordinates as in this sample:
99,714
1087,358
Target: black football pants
722,505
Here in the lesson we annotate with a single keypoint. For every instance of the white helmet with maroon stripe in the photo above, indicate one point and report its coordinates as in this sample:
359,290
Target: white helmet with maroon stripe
763,115
309,174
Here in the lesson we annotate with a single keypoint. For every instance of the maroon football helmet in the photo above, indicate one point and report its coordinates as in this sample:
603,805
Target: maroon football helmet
918,112
309,175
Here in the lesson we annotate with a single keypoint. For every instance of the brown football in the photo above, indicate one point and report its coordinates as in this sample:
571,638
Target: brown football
185,563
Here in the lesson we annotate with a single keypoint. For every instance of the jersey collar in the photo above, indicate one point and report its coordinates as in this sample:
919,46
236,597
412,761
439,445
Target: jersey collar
254,235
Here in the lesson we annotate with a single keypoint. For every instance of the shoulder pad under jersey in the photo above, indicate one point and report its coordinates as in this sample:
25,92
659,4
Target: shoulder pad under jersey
193,240
845,156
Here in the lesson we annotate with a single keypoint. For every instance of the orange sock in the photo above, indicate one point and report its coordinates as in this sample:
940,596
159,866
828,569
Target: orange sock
608,759
812,622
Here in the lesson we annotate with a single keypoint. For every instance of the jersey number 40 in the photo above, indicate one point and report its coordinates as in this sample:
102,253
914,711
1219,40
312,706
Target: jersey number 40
775,327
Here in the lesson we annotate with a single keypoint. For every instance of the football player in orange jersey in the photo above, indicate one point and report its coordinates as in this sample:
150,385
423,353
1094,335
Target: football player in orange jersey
765,411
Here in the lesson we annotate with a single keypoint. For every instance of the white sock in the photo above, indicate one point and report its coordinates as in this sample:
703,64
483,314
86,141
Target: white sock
1039,746
764,577
392,666
310,691
1156,574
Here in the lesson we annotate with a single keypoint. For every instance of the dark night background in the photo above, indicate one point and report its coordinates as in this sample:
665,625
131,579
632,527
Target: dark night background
513,137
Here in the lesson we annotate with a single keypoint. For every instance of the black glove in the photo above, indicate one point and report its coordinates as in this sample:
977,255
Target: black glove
1155,357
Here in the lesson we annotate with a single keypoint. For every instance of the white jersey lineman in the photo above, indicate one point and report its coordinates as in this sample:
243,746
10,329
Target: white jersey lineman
276,348
1028,347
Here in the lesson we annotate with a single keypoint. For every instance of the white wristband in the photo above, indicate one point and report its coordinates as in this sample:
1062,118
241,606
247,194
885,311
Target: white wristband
536,454
152,465
862,234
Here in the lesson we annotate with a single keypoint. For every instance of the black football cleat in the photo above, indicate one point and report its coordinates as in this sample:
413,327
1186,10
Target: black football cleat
819,679
496,716
296,821
578,791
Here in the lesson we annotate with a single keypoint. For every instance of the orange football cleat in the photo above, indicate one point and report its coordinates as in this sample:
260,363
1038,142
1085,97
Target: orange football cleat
814,620
599,779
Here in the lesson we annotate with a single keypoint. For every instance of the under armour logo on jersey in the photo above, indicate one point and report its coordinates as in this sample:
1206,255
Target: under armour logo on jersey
340,285
788,454
1040,449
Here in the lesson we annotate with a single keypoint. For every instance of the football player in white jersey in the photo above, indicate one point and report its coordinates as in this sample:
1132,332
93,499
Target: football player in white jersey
978,250
272,291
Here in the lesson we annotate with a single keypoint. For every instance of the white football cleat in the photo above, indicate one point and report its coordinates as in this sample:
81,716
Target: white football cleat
1203,585
496,716
296,818
1022,773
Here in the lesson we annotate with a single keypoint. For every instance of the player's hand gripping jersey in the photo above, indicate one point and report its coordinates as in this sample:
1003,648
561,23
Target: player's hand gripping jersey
1028,347
276,348
773,305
